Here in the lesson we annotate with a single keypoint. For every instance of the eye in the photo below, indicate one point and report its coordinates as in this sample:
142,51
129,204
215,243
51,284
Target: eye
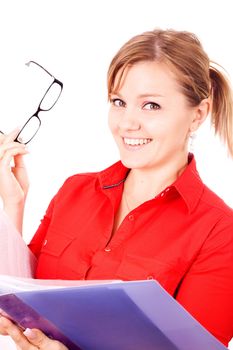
117,102
151,106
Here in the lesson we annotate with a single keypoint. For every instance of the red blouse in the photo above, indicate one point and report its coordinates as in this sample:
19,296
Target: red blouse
183,238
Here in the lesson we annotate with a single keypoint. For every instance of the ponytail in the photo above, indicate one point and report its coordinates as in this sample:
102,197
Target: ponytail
222,107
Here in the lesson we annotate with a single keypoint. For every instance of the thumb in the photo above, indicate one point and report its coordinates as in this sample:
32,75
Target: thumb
40,340
36,337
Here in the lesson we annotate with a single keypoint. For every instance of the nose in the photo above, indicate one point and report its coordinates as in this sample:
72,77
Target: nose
129,120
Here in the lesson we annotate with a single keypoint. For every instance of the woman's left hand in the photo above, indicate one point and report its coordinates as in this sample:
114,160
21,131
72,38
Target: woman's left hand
30,339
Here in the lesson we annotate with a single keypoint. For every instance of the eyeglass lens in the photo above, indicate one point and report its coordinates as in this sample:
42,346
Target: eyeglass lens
29,130
51,96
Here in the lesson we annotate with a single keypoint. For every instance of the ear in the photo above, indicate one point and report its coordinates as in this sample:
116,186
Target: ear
200,114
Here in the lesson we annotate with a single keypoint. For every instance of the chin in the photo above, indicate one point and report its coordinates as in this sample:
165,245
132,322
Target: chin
133,163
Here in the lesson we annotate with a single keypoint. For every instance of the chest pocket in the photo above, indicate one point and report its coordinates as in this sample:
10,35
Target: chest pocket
56,244
135,267
58,258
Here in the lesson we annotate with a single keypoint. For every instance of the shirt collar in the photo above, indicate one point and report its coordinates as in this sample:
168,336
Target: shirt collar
188,185
113,176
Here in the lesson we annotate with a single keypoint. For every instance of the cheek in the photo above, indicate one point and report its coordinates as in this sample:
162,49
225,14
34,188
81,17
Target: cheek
167,131
112,122
180,133
155,127
183,125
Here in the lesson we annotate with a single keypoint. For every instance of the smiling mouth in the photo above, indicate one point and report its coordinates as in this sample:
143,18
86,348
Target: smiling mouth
136,142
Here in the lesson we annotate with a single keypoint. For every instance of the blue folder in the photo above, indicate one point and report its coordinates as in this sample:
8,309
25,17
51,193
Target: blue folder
137,315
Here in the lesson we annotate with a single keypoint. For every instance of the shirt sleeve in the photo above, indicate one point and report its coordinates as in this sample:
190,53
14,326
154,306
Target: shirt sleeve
207,289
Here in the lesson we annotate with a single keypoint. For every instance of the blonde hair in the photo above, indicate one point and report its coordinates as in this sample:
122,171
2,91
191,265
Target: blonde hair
198,77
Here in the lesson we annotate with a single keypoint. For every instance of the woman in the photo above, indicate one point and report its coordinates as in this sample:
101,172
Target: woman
149,215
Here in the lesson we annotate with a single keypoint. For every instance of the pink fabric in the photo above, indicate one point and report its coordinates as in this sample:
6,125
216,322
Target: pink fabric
15,257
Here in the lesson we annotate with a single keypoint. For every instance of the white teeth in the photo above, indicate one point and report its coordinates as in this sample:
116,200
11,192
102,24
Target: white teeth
136,142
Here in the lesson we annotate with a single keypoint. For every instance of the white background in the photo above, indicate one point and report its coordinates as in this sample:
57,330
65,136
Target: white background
75,41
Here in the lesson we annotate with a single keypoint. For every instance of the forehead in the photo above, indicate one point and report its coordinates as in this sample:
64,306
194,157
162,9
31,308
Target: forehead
153,77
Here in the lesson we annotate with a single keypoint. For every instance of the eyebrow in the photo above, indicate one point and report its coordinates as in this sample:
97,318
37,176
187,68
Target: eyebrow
149,95
139,96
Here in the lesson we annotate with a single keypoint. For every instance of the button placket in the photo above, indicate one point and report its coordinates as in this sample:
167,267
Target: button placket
123,231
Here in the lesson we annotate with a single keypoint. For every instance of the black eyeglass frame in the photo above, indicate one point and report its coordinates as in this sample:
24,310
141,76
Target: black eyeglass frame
39,109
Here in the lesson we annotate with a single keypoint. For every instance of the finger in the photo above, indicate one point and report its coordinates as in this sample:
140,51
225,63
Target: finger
2,137
2,327
6,158
11,136
40,340
16,334
19,162
10,145
3,313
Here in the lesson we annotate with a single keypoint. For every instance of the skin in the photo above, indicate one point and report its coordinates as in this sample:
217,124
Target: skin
13,177
148,106
30,339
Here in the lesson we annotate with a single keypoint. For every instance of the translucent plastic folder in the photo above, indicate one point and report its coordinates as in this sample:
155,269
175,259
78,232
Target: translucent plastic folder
138,315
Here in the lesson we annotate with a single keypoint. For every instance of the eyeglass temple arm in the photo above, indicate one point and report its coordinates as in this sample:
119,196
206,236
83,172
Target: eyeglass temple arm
55,79
28,64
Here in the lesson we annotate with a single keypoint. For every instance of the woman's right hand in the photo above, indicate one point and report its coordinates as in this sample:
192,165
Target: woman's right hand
13,175
14,182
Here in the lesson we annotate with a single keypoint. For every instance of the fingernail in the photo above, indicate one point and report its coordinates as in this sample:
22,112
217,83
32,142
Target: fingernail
30,333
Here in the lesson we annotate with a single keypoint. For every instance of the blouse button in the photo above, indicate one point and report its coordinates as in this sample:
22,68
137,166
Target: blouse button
107,249
131,217
150,277
45,242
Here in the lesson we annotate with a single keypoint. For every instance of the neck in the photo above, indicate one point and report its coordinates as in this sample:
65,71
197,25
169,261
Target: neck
146,183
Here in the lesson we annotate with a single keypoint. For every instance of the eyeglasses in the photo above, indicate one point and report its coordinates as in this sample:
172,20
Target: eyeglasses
50,98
